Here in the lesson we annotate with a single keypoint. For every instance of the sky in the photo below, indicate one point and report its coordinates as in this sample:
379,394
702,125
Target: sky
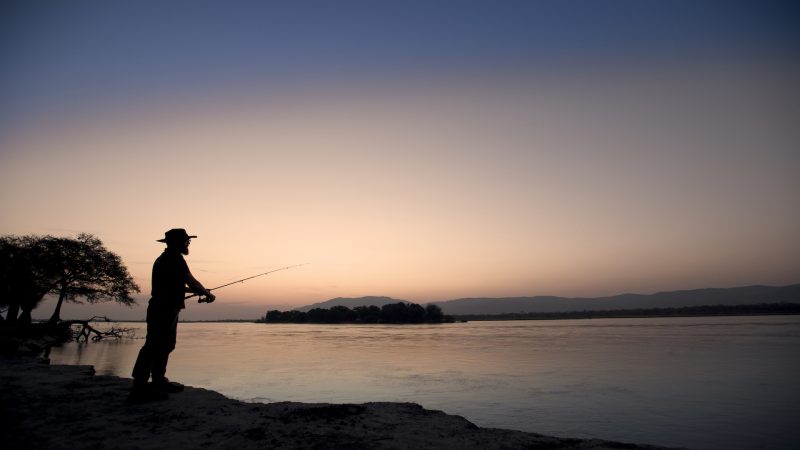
420,150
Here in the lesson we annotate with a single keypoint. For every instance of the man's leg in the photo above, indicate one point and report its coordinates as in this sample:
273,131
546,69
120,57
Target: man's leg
168,327
161,359
144,362
152,356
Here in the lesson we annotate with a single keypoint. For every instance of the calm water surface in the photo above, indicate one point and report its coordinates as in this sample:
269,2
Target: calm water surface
705,383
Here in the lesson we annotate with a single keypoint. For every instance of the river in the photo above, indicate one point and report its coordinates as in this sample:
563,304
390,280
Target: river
703,382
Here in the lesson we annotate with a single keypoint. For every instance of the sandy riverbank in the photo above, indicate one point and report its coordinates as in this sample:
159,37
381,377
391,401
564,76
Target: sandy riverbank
54,407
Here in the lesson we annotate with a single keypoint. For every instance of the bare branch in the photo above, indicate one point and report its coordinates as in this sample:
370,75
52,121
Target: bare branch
85,331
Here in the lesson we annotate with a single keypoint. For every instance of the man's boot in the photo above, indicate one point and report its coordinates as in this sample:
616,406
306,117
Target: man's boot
166,386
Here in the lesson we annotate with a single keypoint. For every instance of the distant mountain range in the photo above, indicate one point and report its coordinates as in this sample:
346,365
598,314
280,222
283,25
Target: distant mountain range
351,303
672,299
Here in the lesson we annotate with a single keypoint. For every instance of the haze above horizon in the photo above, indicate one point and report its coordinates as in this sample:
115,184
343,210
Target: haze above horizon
423,151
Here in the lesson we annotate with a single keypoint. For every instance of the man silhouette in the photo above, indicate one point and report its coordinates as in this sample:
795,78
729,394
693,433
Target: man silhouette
171,280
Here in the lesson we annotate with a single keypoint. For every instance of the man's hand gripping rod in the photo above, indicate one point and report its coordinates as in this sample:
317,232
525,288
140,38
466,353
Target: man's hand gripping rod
203,299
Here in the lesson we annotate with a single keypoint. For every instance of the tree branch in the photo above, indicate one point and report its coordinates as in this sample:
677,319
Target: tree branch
87,332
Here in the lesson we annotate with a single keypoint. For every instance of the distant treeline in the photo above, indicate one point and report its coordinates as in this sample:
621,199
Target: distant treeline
687,311
391,313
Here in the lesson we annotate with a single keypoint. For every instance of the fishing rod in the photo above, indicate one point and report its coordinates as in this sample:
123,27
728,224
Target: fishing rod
203,299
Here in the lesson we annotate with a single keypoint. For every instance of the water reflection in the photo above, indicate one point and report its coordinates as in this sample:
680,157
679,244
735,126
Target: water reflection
108,356
696,382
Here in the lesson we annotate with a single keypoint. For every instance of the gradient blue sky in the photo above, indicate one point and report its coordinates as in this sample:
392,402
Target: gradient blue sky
424,150
61,55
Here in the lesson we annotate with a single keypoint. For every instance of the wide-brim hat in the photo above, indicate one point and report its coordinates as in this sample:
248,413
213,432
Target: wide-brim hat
176,235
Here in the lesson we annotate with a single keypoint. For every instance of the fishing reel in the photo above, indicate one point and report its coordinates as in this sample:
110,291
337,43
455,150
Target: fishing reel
203,299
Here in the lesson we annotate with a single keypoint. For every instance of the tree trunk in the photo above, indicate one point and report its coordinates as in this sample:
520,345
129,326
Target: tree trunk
56,317
25,317
11,315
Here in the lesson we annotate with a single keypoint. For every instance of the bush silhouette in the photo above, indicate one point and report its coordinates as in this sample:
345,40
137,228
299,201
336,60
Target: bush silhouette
394,313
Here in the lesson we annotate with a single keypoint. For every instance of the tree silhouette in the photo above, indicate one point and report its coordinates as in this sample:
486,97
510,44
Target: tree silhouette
395,313
72,268
402,313
25,276
368,314
433,313
85,268
341,314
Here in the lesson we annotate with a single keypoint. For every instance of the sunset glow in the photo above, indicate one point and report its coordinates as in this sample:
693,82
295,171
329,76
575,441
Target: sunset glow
517,178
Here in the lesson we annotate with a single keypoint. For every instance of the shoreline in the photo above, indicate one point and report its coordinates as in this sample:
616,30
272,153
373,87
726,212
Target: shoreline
464,318
58,406
509,317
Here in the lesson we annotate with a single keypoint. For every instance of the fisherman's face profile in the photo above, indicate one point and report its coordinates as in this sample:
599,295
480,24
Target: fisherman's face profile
181,246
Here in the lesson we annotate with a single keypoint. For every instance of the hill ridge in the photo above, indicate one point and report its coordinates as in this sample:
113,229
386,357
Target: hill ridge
751,294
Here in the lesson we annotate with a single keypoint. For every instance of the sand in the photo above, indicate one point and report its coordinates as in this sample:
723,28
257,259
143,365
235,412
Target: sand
44,406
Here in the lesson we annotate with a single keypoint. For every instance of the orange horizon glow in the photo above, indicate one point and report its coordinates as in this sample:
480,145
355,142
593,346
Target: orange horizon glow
487,188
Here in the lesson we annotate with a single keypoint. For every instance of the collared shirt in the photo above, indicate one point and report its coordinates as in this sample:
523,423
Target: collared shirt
169,279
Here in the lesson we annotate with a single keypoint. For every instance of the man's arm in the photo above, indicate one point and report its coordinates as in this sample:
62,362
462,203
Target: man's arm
197,288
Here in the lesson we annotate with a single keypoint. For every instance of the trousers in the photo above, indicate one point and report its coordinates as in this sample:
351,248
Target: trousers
162,329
